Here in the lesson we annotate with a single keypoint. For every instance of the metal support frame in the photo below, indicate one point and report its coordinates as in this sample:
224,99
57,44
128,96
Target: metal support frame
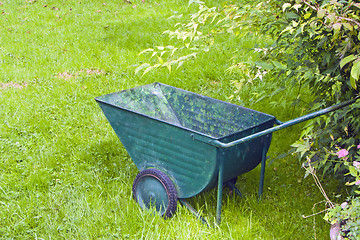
267,139
219,191
219,201
234,188
262,173
192,210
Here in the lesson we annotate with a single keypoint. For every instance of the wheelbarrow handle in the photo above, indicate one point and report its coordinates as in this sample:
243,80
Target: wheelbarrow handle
289,123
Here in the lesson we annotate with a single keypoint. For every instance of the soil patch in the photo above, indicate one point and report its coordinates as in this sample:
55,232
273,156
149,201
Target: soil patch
13,85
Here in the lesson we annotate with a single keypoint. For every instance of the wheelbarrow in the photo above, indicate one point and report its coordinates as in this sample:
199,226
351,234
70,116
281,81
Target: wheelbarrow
184,143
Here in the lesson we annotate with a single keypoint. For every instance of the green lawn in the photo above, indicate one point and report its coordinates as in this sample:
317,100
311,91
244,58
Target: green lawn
63,172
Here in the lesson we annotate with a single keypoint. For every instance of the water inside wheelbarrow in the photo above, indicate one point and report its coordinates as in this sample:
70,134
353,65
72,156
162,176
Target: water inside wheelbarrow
186,109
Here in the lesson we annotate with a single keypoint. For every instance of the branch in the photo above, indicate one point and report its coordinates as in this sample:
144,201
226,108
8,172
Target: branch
316,213
350,20
312,171
311,6
337,17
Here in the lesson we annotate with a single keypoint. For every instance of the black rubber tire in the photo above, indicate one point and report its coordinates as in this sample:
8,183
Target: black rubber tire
166,183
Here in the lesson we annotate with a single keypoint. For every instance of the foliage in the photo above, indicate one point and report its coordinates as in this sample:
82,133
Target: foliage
326,37
192,38
320,45
325,55
348,213
198,34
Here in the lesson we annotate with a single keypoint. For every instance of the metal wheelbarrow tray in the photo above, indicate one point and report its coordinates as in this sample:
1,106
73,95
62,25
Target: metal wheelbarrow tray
184,143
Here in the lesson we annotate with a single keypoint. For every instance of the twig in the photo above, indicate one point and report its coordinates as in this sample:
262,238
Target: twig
316,213
311,6
350,20
318,183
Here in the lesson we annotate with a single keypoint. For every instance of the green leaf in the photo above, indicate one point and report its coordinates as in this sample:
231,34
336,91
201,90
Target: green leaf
142,66
292,15
162,53
154,53
169,67
352,171
348,26
146,50
173,51
282,155
285,6
160,60
180,64
289,28
337,26
308,15
150,68
297,6
183,58
331,17
295,24
321,13
326,167
353,82
279,65
346,60
355,70
265,65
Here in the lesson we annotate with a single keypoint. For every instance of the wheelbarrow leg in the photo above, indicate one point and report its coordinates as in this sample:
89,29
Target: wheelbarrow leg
191,209
262,174
234,188
220,188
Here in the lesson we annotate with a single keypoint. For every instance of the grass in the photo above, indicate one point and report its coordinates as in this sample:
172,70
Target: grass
63,172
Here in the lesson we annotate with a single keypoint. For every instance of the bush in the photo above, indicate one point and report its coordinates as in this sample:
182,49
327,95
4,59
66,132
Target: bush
348,213
319,45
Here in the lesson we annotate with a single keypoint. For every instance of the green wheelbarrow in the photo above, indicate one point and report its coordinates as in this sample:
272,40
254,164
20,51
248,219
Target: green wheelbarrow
184,143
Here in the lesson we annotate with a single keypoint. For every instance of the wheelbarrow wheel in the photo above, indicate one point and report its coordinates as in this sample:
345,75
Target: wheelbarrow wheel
152,188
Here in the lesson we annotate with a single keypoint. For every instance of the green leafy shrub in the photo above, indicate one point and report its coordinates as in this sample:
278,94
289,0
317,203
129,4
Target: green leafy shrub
198,33
348,213
320,46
